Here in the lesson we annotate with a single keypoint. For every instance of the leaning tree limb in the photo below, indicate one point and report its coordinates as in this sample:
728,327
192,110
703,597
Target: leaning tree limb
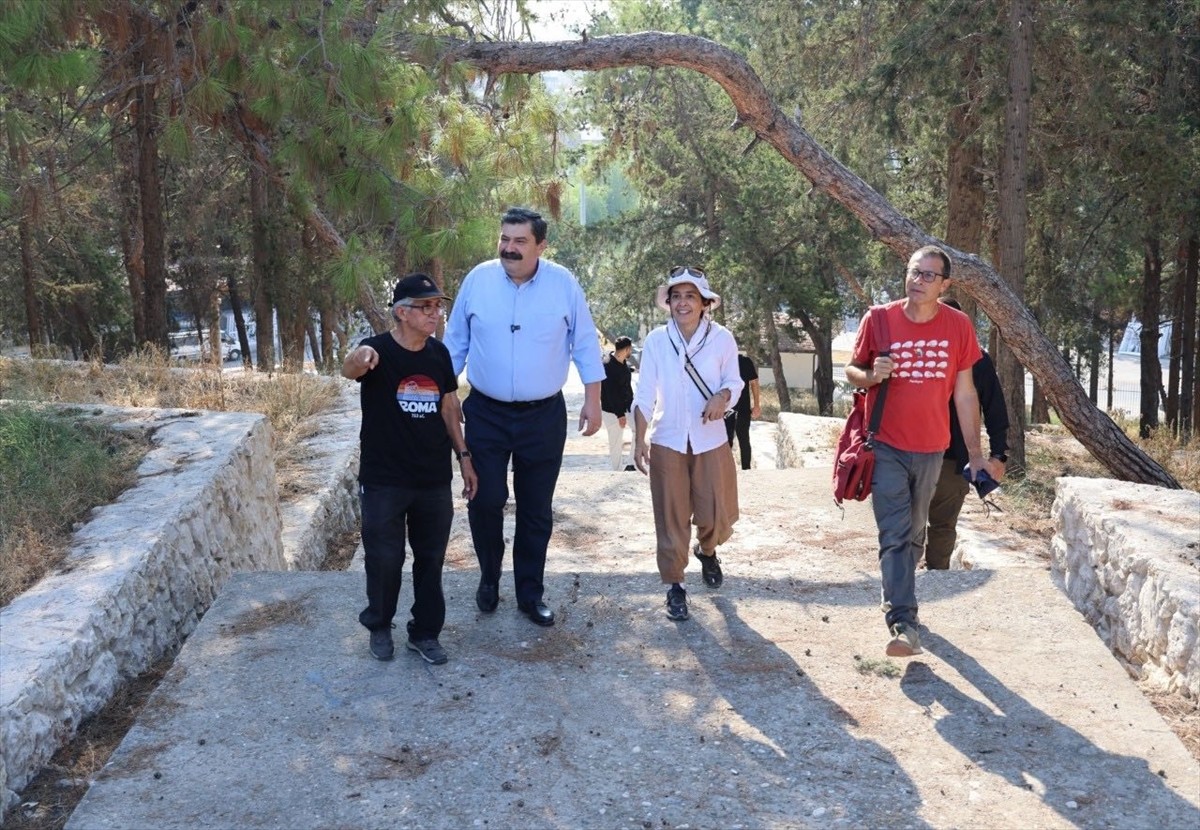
756,111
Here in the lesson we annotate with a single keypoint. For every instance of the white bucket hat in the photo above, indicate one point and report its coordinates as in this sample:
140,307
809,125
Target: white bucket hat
682,274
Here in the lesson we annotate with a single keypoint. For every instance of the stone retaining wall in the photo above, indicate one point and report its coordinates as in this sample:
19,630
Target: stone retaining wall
139,576
328,504
1128,556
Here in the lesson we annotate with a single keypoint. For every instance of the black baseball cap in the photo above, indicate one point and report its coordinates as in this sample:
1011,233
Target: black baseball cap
417,287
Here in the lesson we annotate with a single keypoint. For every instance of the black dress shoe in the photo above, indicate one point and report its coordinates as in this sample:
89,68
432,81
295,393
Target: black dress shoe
487,597
538,612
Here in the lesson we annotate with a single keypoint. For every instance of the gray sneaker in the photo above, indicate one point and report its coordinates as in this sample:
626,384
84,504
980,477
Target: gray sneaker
381,644
905,641
431,651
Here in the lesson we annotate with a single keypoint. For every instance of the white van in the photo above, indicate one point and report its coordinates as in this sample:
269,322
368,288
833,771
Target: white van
185,345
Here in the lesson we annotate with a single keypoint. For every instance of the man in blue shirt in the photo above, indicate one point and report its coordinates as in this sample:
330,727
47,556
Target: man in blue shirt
517,323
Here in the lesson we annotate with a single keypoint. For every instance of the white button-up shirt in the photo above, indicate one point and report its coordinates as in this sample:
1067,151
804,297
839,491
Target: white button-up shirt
668,399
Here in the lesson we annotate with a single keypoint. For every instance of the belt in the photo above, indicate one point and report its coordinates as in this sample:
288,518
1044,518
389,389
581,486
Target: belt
516,404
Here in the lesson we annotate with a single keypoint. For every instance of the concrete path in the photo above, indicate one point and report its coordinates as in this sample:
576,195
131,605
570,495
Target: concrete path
772,707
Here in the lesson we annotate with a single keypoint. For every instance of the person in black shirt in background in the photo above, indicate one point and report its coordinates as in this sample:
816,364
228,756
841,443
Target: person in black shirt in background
410,424
952,488
616,398
745,411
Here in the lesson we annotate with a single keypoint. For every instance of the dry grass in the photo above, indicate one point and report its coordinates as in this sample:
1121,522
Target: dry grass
147,379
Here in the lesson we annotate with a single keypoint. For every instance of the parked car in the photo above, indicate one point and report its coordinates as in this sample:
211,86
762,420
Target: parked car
186,345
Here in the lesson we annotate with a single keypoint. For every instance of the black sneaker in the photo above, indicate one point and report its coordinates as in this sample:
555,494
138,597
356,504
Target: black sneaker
710,568
431,651
382,647
677,603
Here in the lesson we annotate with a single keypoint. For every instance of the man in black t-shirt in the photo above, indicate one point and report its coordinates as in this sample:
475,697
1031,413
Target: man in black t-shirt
410,424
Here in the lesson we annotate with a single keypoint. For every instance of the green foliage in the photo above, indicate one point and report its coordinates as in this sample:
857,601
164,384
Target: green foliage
54,472
356,265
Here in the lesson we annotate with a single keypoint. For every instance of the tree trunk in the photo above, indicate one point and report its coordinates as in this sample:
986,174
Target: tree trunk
27,198
1187,385
33,314
132,250
1151,380
262,255
964,166
1094,370
820,332
1013,212
757,112
153,231
1175,351
781,387
239,319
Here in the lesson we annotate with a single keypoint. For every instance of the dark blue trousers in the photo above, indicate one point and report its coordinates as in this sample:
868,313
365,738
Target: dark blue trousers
426,514
533,438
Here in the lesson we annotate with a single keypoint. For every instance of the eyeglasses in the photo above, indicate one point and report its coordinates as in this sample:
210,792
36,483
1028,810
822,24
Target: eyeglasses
925,276
425,308
680,270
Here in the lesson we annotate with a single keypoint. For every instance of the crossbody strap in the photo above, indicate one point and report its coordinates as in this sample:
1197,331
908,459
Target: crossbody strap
691,369
883,337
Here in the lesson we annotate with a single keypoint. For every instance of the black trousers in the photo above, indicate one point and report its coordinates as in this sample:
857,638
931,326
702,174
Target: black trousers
533,438
739,424
387,512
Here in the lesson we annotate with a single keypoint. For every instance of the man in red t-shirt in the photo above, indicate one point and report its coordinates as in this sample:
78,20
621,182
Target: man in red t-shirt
928,359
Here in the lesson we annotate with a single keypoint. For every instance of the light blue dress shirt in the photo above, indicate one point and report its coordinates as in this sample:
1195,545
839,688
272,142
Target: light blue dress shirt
517,341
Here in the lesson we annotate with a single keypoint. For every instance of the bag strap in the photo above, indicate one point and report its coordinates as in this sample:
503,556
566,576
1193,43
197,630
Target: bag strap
882,337
691,369
694,374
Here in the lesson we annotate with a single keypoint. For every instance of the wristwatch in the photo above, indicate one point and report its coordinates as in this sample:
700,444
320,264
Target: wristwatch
463,454
1001,457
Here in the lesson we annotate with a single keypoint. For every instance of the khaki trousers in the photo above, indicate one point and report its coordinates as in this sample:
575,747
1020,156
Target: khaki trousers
688,489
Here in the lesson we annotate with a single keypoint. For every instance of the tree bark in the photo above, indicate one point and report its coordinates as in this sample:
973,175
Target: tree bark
1150,365
153,232
262,255
33,314
820,332
781,387
132,250
964,166
27,199
239,318
758,113
1013,213
1175,353
1187,385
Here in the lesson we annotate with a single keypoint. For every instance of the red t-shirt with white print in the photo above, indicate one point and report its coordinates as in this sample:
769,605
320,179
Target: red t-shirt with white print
928,358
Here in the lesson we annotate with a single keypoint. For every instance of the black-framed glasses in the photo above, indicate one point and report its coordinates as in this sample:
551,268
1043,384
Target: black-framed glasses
680,270
425,308
924,276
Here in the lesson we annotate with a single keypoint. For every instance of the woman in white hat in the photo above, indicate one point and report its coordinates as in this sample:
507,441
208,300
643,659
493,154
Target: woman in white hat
688,382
